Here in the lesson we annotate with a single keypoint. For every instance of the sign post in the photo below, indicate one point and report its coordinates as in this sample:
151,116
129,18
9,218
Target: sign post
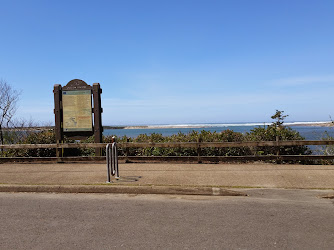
73,112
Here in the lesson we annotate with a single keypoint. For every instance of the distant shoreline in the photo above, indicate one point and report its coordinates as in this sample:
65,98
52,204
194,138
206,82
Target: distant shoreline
301,124
312,124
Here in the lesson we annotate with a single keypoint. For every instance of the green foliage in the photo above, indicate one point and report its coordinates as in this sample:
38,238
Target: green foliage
327,149
277,132
269,133
11,137
46,137
84,151
273,132
194,136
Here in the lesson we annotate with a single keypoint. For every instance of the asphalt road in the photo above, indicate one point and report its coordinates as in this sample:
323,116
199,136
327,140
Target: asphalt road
273,218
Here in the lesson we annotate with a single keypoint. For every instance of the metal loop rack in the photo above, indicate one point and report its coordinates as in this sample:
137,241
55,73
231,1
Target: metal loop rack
112,161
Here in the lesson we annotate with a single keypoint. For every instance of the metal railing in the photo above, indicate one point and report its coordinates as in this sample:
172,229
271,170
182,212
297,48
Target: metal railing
112,161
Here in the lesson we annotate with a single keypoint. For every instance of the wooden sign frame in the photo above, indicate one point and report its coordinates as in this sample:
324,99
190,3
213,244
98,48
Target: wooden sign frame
76,86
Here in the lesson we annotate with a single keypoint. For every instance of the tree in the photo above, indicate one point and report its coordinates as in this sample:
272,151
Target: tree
8,101
279,118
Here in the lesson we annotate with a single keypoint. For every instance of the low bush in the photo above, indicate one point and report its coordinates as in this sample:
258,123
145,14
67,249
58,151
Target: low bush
271,133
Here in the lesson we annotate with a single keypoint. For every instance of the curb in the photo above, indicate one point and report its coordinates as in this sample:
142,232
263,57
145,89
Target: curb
176,190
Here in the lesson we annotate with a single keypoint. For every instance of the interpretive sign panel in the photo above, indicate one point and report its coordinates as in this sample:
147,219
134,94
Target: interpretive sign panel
77,110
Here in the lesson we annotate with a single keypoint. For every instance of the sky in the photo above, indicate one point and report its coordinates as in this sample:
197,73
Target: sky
173,61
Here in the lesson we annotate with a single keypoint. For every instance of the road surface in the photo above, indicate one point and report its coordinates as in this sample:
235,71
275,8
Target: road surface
267,218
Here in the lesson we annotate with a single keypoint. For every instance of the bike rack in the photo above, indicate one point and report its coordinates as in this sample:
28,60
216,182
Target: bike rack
112,161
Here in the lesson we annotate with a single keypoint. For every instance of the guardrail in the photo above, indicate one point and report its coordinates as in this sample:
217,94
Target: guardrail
198,145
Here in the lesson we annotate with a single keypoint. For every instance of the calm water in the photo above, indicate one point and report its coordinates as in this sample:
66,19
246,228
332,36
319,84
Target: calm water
310,133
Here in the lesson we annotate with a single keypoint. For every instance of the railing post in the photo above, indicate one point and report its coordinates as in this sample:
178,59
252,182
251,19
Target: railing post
199,140
277,150
127,151
59,152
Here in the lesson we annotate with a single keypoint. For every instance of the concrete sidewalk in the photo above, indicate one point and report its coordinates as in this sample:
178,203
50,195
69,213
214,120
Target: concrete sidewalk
163,177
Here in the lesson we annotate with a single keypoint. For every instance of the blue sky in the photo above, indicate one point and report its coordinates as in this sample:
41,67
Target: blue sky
173,61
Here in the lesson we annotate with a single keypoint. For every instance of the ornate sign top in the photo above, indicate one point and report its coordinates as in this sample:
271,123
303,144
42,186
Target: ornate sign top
77,84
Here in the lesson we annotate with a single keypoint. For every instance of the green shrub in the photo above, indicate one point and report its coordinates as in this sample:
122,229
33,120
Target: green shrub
44,137
47,137
270,133
326,149
193,136
276,131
